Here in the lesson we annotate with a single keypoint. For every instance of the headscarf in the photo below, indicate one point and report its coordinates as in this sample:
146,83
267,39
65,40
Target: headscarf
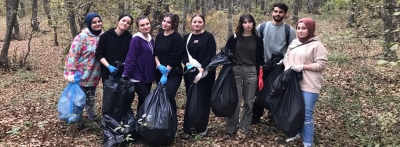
88,22
310,25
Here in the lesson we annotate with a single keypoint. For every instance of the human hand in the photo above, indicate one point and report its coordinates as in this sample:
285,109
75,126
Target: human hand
164,70
112,69
198,77
286,68
70,78
163,79
298,68
280,62
189,66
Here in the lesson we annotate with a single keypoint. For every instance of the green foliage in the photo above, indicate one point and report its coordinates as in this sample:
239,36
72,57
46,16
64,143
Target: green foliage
338,58
337,4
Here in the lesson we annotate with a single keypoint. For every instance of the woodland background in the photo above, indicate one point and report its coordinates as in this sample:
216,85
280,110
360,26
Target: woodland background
359,104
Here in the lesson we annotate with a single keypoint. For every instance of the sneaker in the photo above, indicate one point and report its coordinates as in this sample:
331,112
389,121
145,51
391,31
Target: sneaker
293,138
204,133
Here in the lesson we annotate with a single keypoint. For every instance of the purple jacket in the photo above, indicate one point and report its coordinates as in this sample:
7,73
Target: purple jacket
139,63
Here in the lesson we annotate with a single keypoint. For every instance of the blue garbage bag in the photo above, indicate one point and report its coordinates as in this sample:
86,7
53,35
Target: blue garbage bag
72,102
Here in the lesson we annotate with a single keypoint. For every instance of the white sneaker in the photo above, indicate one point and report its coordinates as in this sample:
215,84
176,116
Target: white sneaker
204,133
293,138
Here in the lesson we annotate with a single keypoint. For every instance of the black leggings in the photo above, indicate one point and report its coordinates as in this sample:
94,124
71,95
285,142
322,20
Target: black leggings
142,90
172,86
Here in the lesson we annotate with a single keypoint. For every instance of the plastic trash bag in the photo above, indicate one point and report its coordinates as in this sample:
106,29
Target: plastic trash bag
72,102
195,111
222,58
118,96
262,96
119,133
224,97
287,107
157,120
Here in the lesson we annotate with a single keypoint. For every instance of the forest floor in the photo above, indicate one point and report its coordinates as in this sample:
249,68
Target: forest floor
358,106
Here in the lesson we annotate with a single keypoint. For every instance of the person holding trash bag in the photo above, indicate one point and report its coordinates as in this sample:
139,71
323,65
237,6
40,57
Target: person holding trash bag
276,35
308,55
200,48
81,58
168,56
248,49
113,46
139,65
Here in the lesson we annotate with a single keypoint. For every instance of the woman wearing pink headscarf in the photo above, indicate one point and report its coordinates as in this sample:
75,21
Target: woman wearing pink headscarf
308,55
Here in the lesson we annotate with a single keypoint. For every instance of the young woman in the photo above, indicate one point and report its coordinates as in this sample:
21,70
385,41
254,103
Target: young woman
168,56
81,61
308,55
248,49
113,46
201,46
139,64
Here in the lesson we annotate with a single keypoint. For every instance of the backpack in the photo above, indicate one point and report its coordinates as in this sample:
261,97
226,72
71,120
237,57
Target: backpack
287,31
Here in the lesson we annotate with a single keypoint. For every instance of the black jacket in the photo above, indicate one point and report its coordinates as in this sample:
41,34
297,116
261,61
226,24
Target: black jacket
113,48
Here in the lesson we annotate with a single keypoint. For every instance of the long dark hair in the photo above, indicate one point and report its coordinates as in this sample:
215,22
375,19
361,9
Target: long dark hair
174,20
239,28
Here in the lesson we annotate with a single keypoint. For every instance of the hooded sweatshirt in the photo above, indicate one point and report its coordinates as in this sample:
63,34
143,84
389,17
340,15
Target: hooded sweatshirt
81,58
140,65
311,53
113,48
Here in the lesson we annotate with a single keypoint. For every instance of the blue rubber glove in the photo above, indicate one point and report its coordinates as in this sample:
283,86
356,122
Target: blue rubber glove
112,69
164,70
189,66
163,79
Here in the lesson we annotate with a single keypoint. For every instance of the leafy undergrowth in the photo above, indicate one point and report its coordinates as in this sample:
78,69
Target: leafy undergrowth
358,106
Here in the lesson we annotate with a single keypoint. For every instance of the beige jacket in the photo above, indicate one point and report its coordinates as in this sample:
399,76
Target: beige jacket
312,53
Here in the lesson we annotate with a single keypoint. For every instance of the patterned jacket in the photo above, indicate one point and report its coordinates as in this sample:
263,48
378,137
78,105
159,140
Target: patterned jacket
81,58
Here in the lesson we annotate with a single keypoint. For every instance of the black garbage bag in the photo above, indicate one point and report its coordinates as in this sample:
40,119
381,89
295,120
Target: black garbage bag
119,133
157,120
222,58
118,95
195,109
224,97
262,96
287,107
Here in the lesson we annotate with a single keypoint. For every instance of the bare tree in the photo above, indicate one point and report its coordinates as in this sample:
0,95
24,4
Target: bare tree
22,11
203,8
87,7
9,11
264,11
296,6
183,17
34,20
388,25
71,17
121,7
7,39
50,23
230,13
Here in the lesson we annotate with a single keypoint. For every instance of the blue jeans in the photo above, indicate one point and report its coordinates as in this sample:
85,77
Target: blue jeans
308,128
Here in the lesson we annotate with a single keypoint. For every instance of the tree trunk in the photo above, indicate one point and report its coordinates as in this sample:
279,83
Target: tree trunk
121,7
296,5
183,17
22,11
7,38
197,8
87,7
230,12
47,11
216,4
71,17
17,34
158,16
15,26
34,20
389,6
203,8
264,11
310,6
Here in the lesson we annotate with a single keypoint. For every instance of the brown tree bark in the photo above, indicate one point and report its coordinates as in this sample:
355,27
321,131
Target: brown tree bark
7,39
388,25
230,13
34,20
69,4
22,11
203,8
182,28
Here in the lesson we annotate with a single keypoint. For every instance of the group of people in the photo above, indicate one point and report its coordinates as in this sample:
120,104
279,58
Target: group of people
93,54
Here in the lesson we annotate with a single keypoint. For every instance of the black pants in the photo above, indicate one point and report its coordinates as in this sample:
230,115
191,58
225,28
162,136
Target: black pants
208,82
172,86
258,111
142,90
